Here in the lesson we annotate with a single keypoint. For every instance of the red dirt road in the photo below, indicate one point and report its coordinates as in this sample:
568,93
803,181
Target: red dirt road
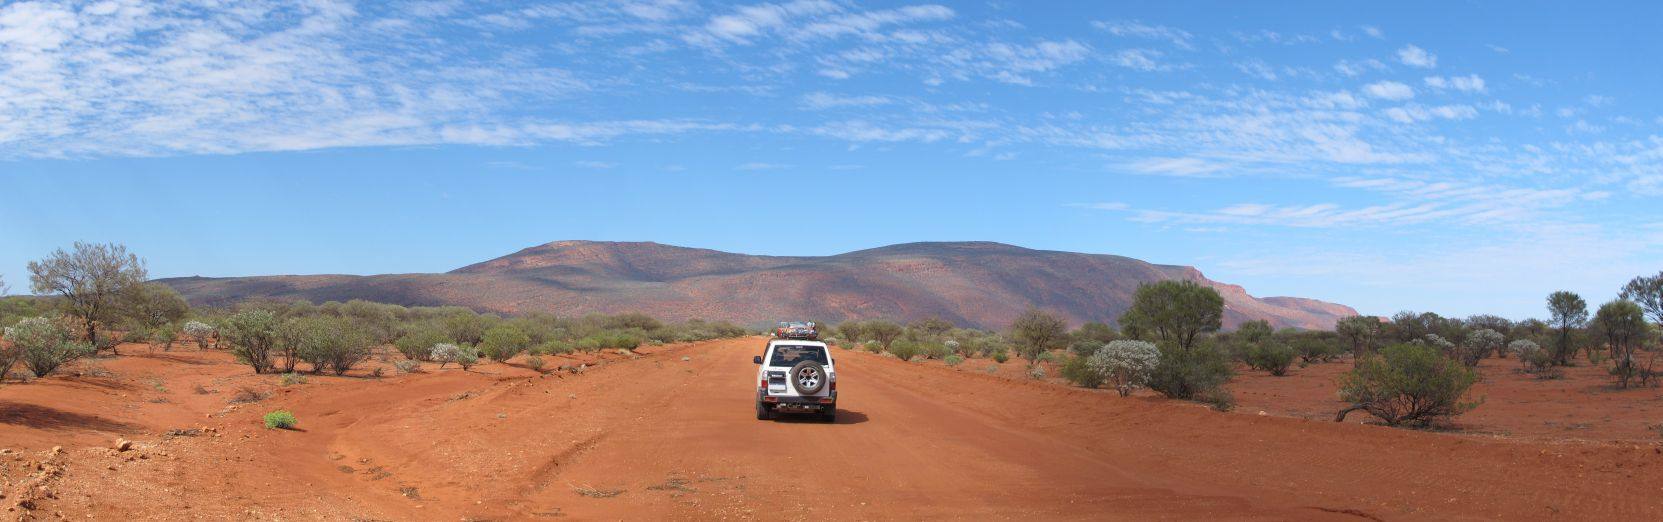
659,437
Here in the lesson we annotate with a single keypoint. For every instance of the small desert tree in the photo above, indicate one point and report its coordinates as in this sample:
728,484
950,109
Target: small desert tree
1360,331
1647,292
882,331
1623,326
1095,331
1254,331
252,334
1036,332
1407,383
1125,364
91,278
42,344
1174,312
851,332
153,305
1569,312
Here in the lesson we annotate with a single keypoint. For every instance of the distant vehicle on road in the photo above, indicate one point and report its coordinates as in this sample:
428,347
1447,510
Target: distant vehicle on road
796,376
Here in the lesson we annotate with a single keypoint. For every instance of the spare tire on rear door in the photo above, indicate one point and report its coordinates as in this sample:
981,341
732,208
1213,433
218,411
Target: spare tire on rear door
807,377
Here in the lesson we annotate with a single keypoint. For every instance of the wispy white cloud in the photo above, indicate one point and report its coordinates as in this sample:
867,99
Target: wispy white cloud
1413,56
1182,167
1389,90
1359,67
1140,59
1411,202
758,165
823,100
596,165
1468,83
1415,113
1135,29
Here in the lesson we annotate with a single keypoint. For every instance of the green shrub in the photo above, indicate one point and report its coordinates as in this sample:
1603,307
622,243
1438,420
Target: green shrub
610,339
165,335
873,346
1085,347
1078,372
418,340
903,349
408,365
1218,398
934,350
1000,356
327,343
1314,350
534,362
1407,383
136,335
467,357
1036,372
954,360
42,344
280,420
504,341
252,335
1271,356
290,379
555,347
1184,374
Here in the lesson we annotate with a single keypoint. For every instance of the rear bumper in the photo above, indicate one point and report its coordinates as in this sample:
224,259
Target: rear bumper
827,401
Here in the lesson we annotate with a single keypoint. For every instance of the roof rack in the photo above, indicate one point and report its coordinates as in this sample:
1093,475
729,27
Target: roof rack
805,330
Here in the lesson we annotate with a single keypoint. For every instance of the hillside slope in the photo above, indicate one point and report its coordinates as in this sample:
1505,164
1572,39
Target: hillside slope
971,283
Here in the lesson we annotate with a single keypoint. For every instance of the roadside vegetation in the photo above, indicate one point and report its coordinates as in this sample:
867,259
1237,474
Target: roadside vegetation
1414,368
93,297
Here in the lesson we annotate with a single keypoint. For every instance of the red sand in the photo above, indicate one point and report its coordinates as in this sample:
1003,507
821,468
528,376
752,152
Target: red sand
668,438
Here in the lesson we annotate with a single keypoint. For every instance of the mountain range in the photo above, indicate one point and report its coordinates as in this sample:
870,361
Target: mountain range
980,284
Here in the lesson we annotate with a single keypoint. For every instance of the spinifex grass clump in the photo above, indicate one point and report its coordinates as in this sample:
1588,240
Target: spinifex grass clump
280,420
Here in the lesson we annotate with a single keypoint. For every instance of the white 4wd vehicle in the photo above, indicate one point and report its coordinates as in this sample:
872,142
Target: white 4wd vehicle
796,376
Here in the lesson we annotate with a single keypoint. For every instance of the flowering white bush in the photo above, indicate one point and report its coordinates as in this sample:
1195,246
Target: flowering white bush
445,353
200,331
1036,372
1523,347
1127,364
1487,338
1439,342
1479,343
953,346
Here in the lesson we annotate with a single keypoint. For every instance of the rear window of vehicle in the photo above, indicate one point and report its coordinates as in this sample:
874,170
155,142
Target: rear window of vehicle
790,355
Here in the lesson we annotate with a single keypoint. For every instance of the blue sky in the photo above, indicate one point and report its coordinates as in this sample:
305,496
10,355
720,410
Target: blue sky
1455,157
